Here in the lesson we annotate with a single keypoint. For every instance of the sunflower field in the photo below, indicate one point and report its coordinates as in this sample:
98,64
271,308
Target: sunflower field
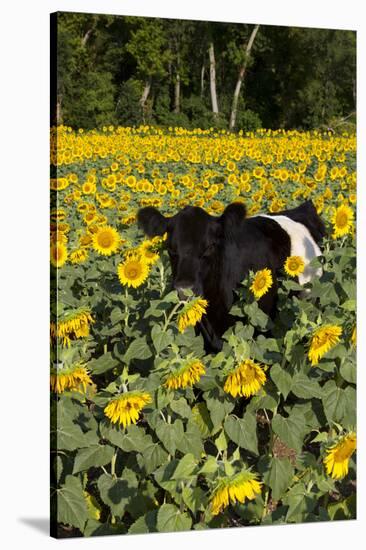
149,433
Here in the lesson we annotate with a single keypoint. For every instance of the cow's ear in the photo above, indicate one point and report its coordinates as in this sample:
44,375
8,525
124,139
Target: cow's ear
232,216
151,221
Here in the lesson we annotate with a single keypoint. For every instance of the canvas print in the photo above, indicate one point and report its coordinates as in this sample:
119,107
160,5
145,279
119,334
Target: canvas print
203,275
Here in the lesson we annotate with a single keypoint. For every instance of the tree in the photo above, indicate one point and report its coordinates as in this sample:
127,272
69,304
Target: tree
211,53
241,76
148,45
128,70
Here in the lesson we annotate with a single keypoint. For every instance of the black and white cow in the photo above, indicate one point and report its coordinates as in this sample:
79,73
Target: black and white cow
211,255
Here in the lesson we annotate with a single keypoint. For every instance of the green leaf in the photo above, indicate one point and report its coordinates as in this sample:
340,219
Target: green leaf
243,431
348,371
305,387
170,518
71,505
71,418
185,468
116,493
292,285
202,418
170,434
138,349
161,340
219,404
282,379
256,316
349,418
145,524
164,477
133,438
290,430
222,441
153,456
181,407
346,509
210,466
300,503
116,315
195,499
334,402
279,476
104,363
93,456
349,305
96,528
191,442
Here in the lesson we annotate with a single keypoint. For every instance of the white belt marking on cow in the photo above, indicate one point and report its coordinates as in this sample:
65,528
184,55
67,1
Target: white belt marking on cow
302,244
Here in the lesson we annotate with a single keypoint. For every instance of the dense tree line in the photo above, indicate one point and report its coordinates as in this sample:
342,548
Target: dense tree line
133,70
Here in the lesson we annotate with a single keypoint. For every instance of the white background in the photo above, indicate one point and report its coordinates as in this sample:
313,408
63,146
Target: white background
24,104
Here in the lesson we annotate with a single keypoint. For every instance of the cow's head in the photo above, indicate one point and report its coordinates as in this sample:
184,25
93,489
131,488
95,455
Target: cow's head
195,241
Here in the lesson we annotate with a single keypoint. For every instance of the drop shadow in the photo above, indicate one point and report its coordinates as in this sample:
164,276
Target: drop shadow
40,524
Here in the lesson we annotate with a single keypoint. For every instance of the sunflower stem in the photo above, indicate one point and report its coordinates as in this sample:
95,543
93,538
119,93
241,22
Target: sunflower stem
113,464
170,316
326,500
162,279
265,511
127,310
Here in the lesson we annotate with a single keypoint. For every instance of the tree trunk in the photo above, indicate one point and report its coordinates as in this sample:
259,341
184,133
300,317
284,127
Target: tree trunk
241,76
86,37
145,95
202,79
59,110
177,94
211,52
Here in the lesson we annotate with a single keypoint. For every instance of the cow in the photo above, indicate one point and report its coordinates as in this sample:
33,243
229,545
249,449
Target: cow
211,255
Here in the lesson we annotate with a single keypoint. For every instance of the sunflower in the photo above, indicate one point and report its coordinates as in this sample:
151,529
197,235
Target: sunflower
147,252
246,380
125,408
58,215
192,313
186,375
322,341
338,455
342,221
133,271
354,336
71,325
294,265
90,217
85,240
70,378
59,184
78,256
58,254
234,489
106,240
262,282
231,166
58,237
93,506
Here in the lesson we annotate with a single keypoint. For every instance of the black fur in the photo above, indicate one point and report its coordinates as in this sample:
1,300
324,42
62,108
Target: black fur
212,255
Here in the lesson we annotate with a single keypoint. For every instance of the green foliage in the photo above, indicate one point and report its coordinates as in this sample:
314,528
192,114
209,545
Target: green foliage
187,437
159,474
104,62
